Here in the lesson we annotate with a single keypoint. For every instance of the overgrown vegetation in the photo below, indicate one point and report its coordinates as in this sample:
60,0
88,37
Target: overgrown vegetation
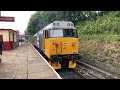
107,52
105,28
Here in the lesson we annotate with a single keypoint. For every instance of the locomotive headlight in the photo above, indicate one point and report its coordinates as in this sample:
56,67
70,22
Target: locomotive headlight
72,25
58,24
73,43
53,24
75,51
68,24
65,44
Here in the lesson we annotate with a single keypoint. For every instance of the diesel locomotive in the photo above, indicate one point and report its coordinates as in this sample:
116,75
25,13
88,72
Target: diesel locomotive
59,42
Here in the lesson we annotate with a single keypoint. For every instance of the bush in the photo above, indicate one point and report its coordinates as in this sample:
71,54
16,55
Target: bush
106,27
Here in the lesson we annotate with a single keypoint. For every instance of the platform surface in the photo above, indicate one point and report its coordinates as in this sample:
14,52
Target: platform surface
24,62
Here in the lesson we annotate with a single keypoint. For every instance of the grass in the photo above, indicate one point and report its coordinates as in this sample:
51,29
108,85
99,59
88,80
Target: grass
104,51
101,37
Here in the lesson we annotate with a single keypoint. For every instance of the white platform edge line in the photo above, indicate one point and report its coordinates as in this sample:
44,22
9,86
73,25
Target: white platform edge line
47,63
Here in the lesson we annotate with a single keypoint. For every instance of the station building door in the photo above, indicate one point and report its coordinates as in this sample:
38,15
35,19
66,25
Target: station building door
1,37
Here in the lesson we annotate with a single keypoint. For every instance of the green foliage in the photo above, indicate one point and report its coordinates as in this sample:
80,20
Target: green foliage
106,27
101,37
42,18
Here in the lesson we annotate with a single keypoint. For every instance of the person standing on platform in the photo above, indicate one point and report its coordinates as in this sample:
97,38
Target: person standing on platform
1,44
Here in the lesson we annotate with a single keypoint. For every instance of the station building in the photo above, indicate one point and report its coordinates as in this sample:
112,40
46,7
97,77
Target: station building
10,38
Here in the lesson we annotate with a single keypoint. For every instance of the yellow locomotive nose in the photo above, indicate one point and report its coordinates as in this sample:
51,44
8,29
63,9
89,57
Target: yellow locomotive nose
64,46
64,50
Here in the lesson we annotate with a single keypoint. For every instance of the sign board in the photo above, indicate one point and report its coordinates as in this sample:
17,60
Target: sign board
7,19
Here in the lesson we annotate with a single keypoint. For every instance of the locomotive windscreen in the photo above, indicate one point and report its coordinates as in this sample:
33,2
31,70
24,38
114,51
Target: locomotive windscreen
56,33
63,33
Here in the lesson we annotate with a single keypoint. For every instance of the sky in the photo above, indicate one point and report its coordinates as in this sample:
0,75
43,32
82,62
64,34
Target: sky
21,20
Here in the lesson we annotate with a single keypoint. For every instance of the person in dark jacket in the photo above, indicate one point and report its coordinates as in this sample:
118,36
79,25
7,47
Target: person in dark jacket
1,44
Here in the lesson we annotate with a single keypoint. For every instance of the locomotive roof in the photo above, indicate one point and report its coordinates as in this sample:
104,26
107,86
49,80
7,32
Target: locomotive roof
58,25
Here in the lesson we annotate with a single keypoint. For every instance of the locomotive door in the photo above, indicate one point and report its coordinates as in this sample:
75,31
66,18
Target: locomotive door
43,40
45,36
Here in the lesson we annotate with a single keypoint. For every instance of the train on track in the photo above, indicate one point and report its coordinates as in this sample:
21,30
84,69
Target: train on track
59,42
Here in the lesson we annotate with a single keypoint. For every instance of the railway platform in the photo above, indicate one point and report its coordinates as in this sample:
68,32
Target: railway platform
24,62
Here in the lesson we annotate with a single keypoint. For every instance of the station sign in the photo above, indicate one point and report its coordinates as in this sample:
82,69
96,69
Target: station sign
7,19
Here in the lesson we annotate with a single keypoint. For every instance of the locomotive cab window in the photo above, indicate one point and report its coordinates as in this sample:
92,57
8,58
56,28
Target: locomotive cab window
56,33
63,33
70,33
46,34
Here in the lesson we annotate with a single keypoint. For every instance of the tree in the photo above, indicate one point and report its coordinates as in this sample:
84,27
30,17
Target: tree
42,18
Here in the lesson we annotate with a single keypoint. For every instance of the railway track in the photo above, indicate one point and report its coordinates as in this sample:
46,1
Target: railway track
77,73
69,74
84,71
93,71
